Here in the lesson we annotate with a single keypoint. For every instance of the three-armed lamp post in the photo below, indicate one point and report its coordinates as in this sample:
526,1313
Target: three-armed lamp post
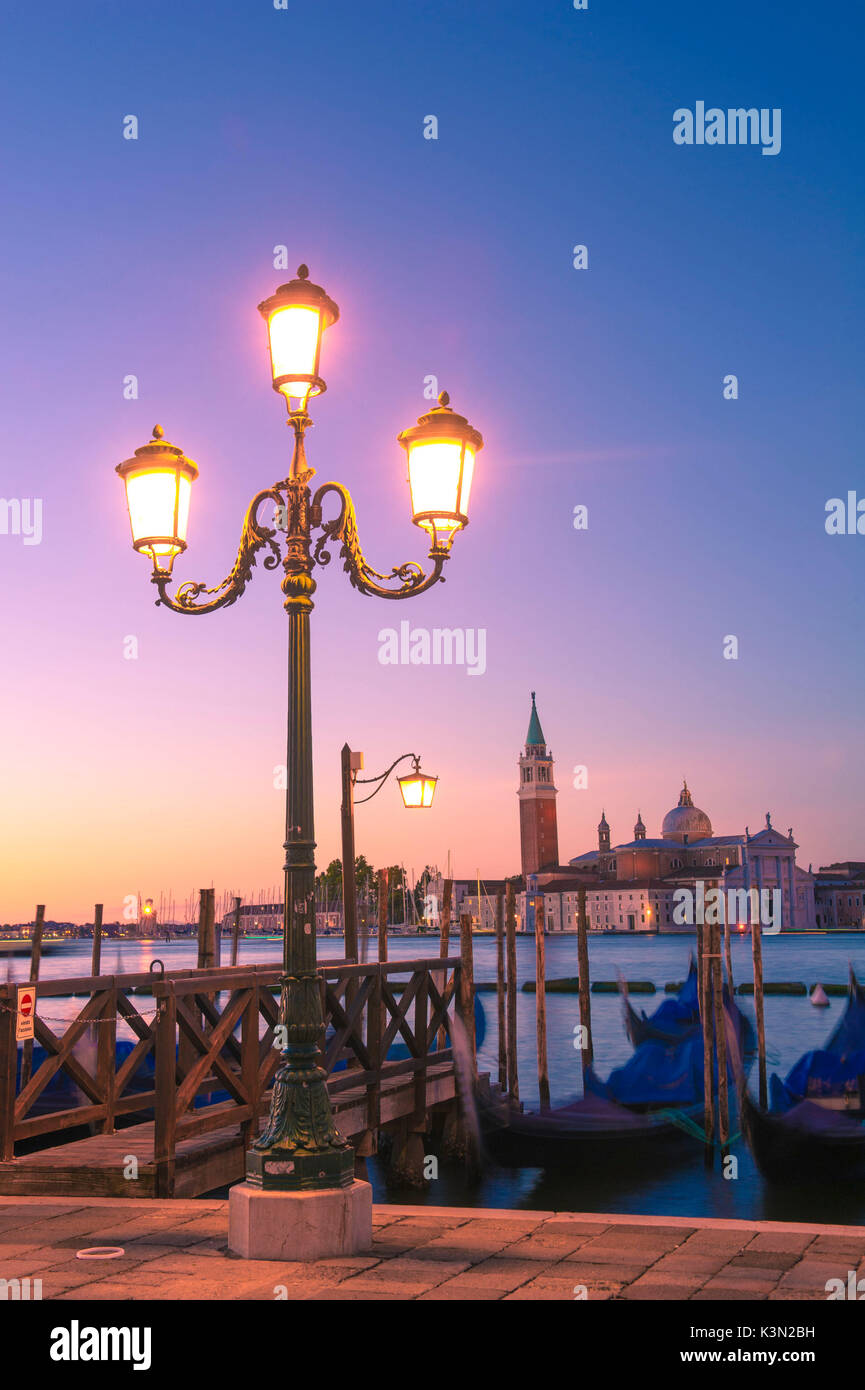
301,1148
417,789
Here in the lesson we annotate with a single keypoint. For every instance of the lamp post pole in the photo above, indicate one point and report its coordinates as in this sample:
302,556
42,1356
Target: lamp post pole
351,762
301,1149
301,1146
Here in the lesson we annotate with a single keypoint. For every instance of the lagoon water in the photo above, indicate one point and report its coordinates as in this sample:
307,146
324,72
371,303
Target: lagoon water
793,1026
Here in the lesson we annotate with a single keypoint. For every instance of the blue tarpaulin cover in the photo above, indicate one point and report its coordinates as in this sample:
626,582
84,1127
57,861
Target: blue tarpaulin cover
678,1015
657,1074
829,1072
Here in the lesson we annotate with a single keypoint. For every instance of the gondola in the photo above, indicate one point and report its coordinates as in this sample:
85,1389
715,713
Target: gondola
814,1129
806,1143
654,1103
656,1099
585,1134
672,1021
834,1074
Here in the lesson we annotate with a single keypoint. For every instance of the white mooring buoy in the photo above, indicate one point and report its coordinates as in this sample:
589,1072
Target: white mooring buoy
819,997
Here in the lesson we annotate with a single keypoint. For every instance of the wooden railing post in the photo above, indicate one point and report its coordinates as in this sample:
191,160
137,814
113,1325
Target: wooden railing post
35,958
106,1053
421,1015
8,1071
165,1128
249,1058
375,1027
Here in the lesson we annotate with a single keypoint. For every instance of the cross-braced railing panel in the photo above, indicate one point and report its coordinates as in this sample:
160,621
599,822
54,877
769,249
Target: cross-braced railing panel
213,1038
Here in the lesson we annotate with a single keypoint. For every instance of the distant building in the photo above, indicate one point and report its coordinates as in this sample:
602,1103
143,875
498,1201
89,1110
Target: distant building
637,885
840,896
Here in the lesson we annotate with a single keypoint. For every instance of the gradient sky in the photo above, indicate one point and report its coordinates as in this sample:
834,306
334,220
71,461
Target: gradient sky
304,127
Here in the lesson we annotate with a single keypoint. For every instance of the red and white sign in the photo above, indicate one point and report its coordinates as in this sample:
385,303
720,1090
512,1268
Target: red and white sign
26,1014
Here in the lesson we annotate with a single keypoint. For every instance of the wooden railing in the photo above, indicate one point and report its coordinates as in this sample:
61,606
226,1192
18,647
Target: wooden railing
211,1035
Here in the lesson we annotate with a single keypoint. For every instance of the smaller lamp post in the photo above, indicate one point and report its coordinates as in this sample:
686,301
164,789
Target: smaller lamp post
417,789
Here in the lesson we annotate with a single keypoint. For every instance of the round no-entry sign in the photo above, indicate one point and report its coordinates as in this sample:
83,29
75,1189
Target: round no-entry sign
24,1023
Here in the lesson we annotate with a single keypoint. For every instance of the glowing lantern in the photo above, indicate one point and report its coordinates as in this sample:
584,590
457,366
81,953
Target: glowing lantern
297,315
417,788
158,482
441,450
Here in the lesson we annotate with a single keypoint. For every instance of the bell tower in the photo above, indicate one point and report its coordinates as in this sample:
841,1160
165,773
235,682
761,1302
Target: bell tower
539,834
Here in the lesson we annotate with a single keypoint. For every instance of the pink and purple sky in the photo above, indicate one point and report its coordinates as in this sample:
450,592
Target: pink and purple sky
452,258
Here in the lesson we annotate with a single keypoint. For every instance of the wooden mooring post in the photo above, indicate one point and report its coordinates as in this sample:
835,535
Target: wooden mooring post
708,1047
235,931
541,1004
728,956
720,1039
444,941
500,989
466,995
587,1052
757,955
208,940
511,940
458,1138
97,940
382,914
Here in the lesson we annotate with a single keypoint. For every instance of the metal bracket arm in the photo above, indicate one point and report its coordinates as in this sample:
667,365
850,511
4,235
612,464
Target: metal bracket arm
407,580
252,538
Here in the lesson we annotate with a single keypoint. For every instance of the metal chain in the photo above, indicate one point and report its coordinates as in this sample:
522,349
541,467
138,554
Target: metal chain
53,1018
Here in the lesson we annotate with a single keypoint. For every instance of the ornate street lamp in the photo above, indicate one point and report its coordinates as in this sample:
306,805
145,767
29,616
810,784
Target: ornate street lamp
301,1148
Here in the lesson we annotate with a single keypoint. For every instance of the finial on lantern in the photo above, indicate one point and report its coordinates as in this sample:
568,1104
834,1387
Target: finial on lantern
303,272
444,399
158,432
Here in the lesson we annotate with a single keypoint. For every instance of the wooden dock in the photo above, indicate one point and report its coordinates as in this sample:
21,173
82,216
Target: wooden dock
196,1140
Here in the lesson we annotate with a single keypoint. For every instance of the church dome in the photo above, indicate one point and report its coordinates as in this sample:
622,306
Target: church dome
686,819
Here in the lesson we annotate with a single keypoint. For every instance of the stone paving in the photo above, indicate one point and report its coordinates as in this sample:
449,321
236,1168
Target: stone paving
178,1250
